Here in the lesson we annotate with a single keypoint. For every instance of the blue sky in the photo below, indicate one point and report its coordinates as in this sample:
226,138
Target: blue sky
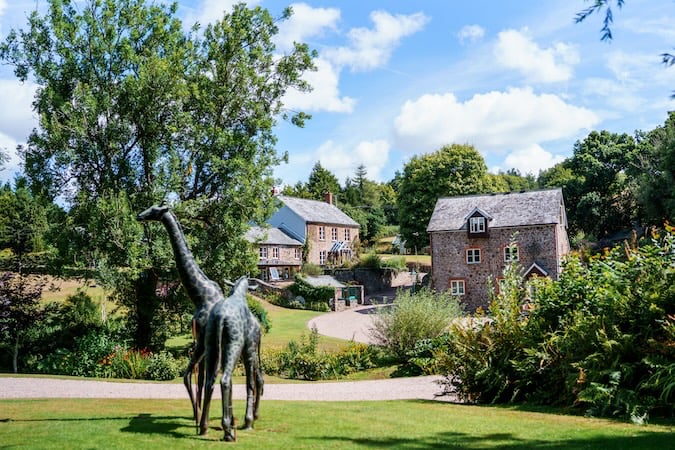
518,79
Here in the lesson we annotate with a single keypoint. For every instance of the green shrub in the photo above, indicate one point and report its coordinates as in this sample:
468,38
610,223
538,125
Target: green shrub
425,357
312,294
413,317
601,337
396,263
162,366
259,311
304,361
312,269
370,261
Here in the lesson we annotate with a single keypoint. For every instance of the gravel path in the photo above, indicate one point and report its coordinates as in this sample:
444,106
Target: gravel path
424,388
351,324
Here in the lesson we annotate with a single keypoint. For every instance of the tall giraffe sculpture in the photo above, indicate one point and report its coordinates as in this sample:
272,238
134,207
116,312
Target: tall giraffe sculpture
204,294
232,332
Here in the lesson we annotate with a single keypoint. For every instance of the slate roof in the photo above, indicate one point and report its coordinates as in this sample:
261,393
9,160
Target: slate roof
270,236
322,280
317,212
506,210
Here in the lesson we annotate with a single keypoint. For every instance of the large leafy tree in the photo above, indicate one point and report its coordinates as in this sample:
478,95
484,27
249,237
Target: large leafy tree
23,221
655,172
452,170
133,111
321,181
601,191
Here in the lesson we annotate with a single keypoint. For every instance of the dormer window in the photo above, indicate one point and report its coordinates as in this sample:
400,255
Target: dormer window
477,224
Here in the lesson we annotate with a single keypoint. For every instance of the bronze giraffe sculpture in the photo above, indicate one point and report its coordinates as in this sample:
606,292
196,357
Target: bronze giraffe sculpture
232,332
204,293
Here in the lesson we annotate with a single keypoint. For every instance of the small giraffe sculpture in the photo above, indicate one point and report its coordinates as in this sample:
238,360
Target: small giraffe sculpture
232,332
204,293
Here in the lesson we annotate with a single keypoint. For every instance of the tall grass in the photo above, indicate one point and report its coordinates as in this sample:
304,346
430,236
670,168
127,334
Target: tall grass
415,316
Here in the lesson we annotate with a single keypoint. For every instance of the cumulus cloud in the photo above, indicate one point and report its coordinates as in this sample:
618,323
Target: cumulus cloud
11,166
516,50
471,33
493,122
325,95
305,23
372,47
342,160
531,159
209,11
16,117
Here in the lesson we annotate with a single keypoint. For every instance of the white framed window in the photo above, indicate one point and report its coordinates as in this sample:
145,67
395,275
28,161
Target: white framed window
473,256
275,252
511,253
348,235
322,257
457,287
322,233
334,234
477,224
298,253
263,252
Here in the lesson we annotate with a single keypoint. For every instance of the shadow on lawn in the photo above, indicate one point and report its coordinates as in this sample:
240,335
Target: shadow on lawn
146,423
453,440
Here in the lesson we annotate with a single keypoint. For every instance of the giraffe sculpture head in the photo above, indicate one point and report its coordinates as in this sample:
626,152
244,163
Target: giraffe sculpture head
155,212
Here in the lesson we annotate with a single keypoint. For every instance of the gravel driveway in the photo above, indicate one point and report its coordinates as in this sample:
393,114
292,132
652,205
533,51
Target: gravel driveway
424,388
351,324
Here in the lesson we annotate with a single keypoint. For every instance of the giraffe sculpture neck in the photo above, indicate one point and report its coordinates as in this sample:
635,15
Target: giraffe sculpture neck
199,287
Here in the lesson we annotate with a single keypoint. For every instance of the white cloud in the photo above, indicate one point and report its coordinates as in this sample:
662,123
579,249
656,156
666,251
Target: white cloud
372,48
325,94
306,22
342,160
531,159
3,6
211,10
16,116
493,122
471,33
11,165
516,50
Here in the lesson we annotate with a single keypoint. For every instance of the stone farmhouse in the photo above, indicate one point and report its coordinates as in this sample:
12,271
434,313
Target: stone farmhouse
474,237
312,231
279,255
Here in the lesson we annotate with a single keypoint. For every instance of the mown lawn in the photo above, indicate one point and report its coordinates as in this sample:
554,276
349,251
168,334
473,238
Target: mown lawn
163,424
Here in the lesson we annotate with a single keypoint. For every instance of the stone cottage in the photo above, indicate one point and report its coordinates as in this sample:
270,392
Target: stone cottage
326,232
279,255
474,237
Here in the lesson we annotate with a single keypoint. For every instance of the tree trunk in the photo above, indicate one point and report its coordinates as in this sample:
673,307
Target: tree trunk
146,308
15,355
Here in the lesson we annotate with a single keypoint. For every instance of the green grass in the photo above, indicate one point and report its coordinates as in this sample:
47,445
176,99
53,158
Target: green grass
58,290
148,424
419,259
287,324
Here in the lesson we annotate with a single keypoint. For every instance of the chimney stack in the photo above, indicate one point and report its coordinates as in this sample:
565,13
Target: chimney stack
328,197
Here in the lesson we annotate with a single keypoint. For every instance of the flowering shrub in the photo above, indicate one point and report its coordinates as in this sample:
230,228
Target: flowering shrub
162,366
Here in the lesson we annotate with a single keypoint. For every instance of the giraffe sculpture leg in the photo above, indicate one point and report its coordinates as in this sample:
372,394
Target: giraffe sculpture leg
197,365
254,376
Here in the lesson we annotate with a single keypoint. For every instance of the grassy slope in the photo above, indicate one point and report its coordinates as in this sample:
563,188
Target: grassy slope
396,424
